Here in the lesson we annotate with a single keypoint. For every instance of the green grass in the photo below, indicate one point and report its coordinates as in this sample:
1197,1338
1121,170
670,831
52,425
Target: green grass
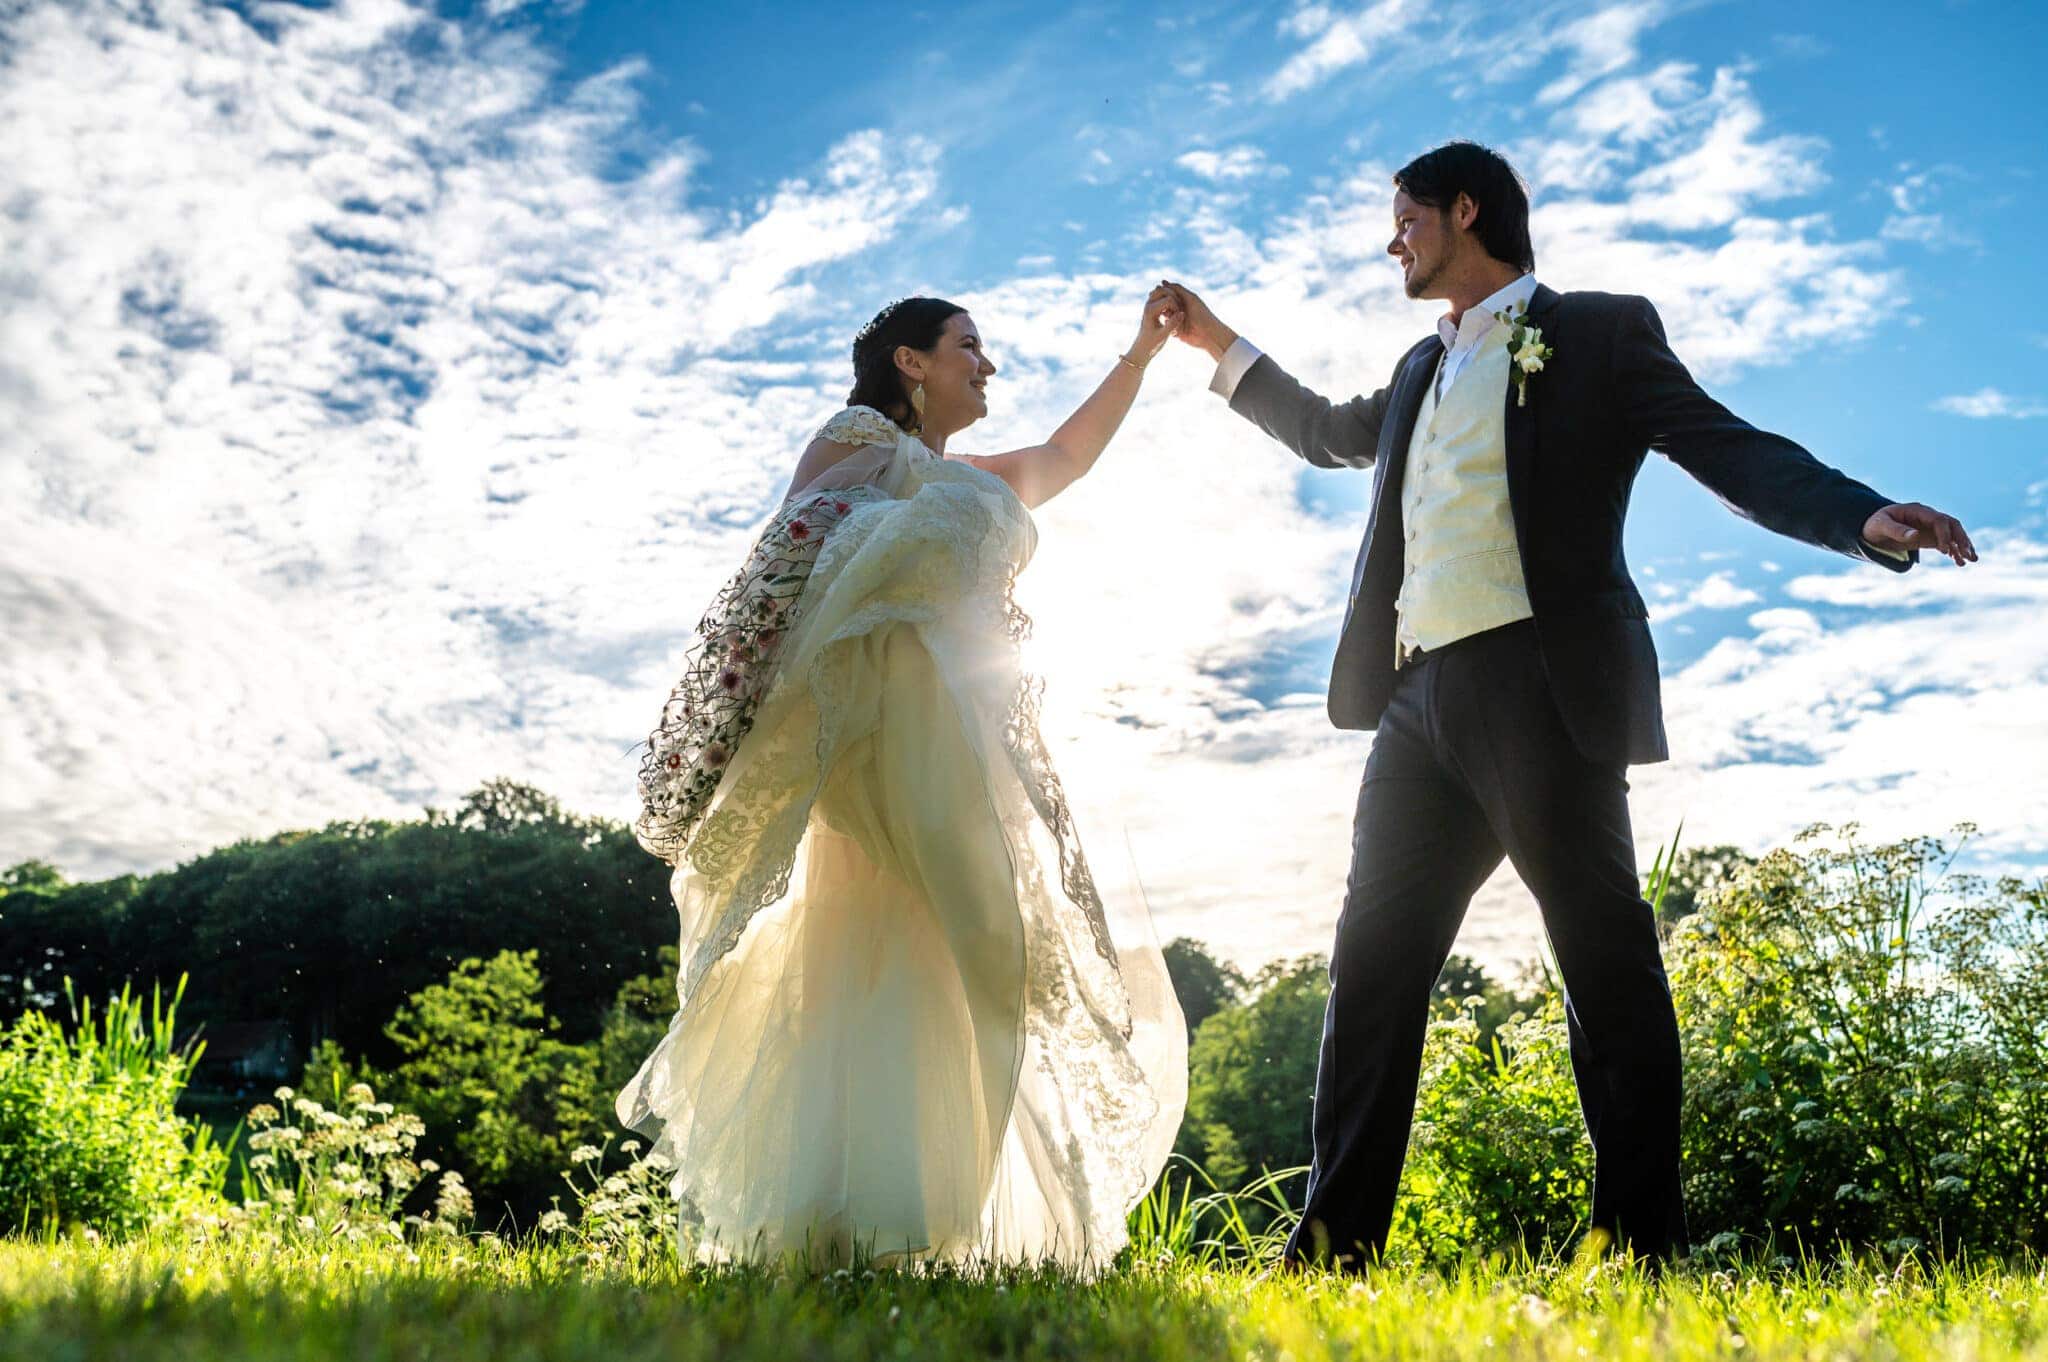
159,1298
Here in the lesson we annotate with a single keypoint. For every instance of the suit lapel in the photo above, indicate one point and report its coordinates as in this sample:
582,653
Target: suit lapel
1520,426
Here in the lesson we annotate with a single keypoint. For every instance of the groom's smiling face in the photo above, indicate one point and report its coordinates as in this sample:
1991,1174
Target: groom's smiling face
1422,243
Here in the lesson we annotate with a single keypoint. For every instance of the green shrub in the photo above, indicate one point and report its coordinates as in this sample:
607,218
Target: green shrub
1866,1065
1498,1156
1866,1043
88,1131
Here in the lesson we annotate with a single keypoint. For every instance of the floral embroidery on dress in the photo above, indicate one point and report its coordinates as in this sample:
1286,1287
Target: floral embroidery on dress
711,709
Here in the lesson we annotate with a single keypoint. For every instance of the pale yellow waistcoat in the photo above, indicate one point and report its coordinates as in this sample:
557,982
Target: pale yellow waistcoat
1461,568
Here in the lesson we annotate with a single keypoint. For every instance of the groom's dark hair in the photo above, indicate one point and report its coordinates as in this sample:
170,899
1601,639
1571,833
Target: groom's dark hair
1436,178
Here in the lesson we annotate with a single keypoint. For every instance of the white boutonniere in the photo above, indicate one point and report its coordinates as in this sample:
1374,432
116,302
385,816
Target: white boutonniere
1526,351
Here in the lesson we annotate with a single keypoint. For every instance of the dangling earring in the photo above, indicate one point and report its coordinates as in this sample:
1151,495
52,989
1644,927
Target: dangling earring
917,404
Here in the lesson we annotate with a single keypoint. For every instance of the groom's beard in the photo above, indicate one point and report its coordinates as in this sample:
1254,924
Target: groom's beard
1419,279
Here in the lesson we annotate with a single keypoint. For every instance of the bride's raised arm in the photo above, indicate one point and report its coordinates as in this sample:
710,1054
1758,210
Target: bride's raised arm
1038,473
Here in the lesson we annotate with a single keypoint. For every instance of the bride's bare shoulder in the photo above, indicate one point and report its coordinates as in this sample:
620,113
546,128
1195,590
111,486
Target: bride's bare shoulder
839,439
820,455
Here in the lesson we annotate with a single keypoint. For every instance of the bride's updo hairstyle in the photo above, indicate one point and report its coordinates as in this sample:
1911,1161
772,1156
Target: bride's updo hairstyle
877,382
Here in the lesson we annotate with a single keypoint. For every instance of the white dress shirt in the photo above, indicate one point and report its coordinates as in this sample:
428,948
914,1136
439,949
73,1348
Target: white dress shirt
1462,337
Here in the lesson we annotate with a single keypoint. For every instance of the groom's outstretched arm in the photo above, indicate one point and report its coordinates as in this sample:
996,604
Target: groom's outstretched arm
1327,434
1763,477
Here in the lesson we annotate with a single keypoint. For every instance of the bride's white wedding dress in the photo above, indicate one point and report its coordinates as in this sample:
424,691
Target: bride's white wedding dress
904,1018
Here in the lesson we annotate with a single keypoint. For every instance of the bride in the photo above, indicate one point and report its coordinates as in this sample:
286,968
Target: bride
905,1024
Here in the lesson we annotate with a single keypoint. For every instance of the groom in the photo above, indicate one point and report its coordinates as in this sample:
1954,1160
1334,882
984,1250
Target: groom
1496,643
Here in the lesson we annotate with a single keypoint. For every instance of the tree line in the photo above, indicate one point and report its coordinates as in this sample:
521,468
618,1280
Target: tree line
1865,1033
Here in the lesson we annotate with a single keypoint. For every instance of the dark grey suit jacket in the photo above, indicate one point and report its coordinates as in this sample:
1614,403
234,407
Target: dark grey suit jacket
1611,392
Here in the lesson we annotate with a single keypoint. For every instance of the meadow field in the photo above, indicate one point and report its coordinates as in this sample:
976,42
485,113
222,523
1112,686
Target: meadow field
162,1298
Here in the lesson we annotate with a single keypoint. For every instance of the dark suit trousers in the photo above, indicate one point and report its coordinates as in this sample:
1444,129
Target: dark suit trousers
1472,760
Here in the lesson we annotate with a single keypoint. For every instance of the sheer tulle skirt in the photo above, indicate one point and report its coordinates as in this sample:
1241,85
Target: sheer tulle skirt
923,1047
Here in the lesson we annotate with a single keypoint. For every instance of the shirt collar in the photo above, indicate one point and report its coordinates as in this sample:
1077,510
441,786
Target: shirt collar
1479,320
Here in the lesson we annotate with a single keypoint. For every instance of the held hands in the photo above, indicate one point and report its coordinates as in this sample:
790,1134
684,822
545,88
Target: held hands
1162,318
1910,525
1199,326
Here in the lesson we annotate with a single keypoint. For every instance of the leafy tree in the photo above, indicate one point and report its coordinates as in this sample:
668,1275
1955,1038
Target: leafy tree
51,929
503,1098
502,806
32,875
1252,1075
1203,983
638,1019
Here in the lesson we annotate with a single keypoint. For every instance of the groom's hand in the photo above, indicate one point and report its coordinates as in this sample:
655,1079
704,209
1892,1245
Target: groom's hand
1910,525
1198,325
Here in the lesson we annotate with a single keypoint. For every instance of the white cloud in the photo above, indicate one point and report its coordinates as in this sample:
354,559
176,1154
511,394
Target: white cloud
1910,219
1990,404
361,436
1729,166
1231,163
1718,592
1808,719
1463,44
1335,42
1600,44
1927,229
1800,46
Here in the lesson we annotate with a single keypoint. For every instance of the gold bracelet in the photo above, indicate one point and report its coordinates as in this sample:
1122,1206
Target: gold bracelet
1126,359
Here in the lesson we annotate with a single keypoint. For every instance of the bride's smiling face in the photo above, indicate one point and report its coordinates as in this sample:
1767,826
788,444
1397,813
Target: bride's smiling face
955,373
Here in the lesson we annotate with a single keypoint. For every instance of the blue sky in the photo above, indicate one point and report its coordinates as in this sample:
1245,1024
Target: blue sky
385,388
1926,122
